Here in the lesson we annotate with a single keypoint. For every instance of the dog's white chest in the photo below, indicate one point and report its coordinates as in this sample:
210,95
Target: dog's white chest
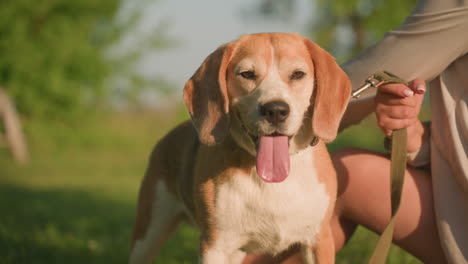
269,217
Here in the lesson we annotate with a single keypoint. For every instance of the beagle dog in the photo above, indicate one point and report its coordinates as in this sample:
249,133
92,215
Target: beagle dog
251,169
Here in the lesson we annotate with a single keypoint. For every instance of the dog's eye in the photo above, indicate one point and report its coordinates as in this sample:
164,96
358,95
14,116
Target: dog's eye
297,75
248,75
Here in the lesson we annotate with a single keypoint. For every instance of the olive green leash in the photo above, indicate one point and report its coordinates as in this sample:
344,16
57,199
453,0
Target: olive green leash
397,168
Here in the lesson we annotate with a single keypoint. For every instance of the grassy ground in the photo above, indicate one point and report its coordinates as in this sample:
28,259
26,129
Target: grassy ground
75,201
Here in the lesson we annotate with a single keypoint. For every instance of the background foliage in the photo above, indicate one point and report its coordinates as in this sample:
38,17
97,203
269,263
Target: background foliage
59,57
51,53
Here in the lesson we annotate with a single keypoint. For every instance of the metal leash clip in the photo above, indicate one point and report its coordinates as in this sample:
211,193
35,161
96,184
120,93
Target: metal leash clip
372,81
376,80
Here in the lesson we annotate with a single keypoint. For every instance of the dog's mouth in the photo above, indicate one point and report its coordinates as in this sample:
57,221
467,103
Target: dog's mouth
272,161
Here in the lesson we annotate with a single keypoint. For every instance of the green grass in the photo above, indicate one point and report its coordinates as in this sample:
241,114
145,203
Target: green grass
75,201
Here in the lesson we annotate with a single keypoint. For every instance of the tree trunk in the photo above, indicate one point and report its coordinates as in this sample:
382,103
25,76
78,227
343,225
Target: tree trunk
12,126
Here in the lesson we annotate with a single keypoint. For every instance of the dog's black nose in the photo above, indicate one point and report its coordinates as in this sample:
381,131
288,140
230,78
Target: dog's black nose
275,112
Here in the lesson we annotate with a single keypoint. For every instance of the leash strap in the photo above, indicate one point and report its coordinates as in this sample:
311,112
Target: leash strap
397,168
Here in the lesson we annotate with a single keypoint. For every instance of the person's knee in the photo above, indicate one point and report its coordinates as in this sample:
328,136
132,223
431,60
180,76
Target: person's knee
346,162
347,159
352,154
343,153
356,160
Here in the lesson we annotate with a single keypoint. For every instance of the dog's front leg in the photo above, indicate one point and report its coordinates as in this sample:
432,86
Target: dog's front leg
237,257
325,249
213,255
223,250
217,256
308,256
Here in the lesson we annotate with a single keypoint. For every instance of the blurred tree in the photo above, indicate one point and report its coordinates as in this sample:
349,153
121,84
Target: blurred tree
367,20
344,27
56,56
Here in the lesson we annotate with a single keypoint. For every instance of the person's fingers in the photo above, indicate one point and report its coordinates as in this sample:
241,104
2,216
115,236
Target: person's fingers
397,106
418,97
418,86
387,132
397,89
387,124
392,100
386,99
396,112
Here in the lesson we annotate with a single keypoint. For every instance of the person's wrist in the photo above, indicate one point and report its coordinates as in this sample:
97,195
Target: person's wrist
416,136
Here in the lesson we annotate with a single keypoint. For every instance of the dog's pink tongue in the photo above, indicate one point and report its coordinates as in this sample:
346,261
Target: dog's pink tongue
273,158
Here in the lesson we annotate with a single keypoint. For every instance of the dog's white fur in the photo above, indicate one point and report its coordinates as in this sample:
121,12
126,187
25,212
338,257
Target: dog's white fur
261,217
217,186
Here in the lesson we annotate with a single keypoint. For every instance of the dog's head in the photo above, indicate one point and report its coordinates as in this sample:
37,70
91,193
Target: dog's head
274,93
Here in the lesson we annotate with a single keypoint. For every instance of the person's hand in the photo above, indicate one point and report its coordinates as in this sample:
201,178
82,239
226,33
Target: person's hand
398,106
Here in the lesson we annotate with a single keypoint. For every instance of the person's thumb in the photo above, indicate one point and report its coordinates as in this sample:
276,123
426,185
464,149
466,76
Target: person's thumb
418,86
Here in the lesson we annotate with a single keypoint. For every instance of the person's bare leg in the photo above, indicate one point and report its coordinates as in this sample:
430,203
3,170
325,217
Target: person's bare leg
364,198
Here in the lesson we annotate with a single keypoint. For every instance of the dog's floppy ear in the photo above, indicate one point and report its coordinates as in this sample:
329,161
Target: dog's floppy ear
331,93
206,96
